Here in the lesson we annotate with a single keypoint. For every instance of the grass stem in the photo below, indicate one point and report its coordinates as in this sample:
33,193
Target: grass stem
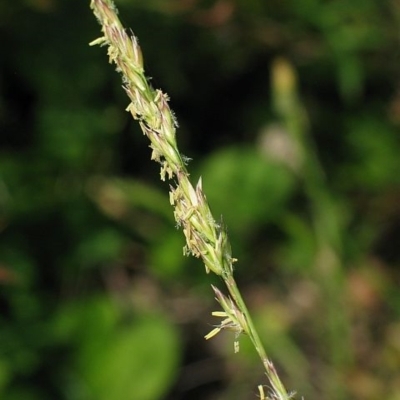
205,238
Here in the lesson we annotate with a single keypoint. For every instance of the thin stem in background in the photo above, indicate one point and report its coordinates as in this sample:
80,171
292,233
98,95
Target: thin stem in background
327,221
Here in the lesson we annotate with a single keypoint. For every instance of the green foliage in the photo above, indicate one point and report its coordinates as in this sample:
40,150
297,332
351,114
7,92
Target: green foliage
257,187
94,287
373,146
133,358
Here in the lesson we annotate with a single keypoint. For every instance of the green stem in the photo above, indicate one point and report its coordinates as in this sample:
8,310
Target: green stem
272,375
205,238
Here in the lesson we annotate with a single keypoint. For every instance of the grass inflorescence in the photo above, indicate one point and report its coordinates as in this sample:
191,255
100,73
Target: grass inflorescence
205,237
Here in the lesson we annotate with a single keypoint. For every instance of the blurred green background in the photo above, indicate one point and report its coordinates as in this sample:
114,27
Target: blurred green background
290,111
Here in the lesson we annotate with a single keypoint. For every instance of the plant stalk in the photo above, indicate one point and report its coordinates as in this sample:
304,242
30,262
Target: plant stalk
205,238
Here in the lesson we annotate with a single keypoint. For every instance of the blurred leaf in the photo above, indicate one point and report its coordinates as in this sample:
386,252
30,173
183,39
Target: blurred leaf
133,359
146,210
166,255
374,149
137,363
117,198
80,322
245,187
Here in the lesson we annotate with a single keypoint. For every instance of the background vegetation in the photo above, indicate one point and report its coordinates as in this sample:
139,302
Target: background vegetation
291,113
